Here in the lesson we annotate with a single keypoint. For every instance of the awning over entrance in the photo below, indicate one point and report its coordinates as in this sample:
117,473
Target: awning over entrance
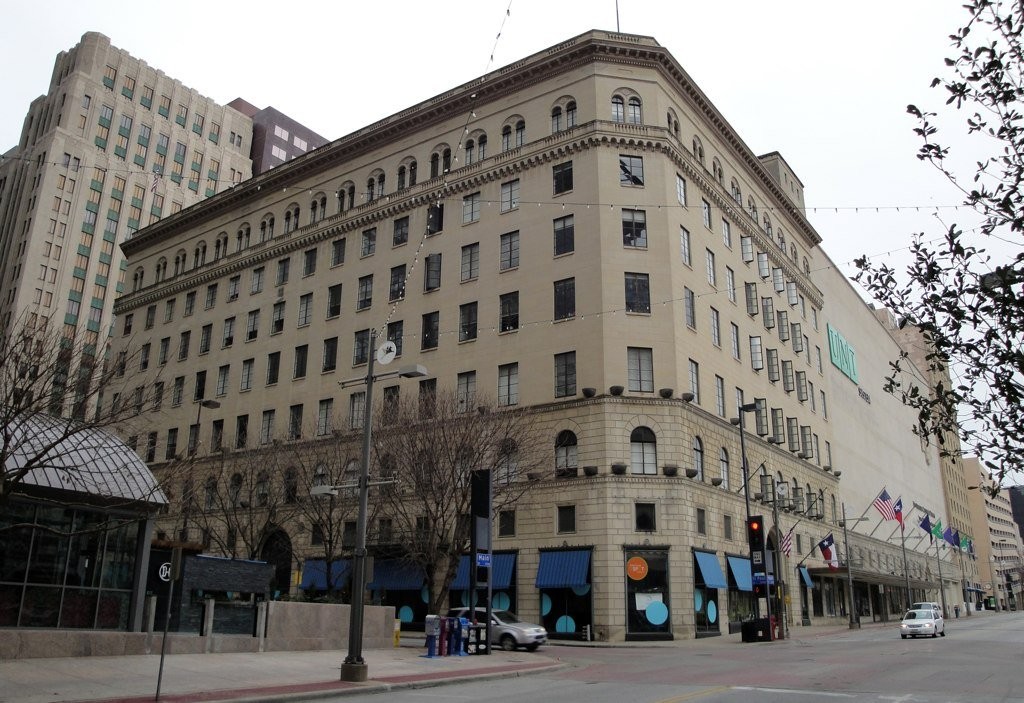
740,569
396,575
314,574
806,576
563,569
501,572
710,570
866,576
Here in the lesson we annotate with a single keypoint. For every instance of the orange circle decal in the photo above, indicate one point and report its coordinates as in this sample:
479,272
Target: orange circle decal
636,568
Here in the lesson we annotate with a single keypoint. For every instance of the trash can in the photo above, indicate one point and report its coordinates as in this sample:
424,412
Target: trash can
756,630
956,610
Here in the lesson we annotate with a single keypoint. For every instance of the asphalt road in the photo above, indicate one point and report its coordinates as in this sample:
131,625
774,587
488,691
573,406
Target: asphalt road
981,660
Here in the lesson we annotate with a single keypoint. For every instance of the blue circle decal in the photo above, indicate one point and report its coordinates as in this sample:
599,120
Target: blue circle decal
501,601
565,624
581,590
656,613
712,612
464,599
545,604
425,594
698,601
405,614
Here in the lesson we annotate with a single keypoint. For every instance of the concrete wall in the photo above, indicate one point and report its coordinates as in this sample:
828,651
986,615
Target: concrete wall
290,627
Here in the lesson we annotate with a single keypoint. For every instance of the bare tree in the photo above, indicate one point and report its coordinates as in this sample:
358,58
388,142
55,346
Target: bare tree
429,448
966,298
59,405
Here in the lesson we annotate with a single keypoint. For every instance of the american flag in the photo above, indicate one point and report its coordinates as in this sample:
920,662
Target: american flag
156,179
787,541
884,504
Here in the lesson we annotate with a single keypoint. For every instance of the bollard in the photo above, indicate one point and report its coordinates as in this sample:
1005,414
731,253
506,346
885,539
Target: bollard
398,633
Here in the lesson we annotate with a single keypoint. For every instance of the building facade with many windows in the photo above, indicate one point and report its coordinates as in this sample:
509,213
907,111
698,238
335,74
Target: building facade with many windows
580,233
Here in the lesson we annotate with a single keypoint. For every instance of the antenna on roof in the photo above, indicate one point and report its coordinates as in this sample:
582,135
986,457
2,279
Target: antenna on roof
617,16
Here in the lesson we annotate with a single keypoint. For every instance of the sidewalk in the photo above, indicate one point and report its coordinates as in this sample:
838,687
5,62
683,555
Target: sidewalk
282,676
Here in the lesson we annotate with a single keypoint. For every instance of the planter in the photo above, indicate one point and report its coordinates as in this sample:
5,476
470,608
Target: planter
670,469
566,473
589,392
590,470
616,390
716,481
618,469
534,475
691,473
666,392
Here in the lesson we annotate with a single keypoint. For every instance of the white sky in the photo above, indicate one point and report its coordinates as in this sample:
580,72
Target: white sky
826,85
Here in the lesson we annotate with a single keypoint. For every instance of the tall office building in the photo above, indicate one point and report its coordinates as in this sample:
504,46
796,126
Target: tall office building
583,234
276,137
113,146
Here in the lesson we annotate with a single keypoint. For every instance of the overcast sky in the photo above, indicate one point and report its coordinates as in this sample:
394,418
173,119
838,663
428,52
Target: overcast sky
825,84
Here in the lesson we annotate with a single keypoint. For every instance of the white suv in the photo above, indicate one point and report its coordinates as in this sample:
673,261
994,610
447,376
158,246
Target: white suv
925,605
507,629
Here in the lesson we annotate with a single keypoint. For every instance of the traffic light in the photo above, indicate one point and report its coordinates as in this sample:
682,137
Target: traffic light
755,533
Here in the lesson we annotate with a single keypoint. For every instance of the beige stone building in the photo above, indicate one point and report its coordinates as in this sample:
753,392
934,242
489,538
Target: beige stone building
997,542
113,146
581,233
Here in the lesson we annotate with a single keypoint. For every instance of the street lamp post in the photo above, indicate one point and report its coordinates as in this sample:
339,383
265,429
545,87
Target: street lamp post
738,422
854,617
354,667
212,405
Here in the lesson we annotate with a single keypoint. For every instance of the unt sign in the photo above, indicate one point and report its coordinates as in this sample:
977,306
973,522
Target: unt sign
842,354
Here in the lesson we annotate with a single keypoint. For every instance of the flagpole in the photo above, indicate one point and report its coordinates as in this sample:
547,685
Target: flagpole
854,620
963,576
906,569
942,590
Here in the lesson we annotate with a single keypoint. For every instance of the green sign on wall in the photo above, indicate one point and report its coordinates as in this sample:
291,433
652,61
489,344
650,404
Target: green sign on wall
842,354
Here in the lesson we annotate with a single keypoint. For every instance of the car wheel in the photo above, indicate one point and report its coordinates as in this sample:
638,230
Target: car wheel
934,635
508,643
903,637
532,647
943,633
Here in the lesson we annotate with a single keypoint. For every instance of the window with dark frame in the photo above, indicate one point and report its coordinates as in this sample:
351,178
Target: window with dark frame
566,518
645,517
561,175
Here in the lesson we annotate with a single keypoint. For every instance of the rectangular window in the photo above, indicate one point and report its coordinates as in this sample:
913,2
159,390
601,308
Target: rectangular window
565,374
252,325
247,367
644,517
467,321
465,390
309,262
638,293
734,334
509,251
241,431
273,367
233,284
564,235
508,304
334,301
756,355
183,342
506,523
432,272
338,251
301,356
430,330
788,378
277,318
171,451
267,427
690,308
772,356
470,262
205,334
634,228
228,337
200,389
330,361
695,381
257,280
681,190
566,517
716,332
361,347
702,521
471,208
368,242
720,396
169,310
565,299
401,231
305,309
712,275
684,246
211,295
165,346
631,170
324,415
394,335
640,362
508,384
705,208
726,234
364,297
561,176
510,195
178,391
753,304
778,426
295,422
222,379
283,270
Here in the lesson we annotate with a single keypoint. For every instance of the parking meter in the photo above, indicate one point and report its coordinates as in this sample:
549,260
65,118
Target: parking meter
432,628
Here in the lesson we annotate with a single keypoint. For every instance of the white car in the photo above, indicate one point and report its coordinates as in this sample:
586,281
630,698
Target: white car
924,605
922,622
508,630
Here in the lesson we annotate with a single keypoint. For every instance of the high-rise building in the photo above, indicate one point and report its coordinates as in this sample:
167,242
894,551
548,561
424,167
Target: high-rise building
276,137
998,547
113,146
588,238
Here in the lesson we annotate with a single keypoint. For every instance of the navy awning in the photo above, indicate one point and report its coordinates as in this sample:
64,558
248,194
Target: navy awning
563,569
314,574
710,570
396,575
501,571
740,568
806,577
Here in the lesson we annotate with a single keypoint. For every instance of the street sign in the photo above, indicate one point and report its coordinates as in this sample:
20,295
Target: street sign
759,578
483,559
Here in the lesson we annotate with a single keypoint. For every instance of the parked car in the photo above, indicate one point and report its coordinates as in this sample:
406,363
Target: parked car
507,630
921,622
924,605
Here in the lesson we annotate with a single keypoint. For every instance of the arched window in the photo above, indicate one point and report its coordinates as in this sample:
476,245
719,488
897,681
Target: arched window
319,475
313,208
737,194
633,113
263,234
506,137
351,195
752,209
469,148
446,160
643,451
161,270
698,150
370,184
481,147
412,173
717,171
270,230
235,490
698,457
401,177
618,109
287,221
380,186
767,224
566,458
262,489
792,252
556,119
807,266
291,485
723,466
570,114
781,239
507,465
210,499
435,165
520,133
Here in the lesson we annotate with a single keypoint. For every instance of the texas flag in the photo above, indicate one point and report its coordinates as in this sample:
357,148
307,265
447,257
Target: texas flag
828,552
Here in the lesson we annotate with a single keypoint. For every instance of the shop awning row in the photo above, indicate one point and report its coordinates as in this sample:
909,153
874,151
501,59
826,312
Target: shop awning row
871,577
806,576
740,568
398,575
563,569
710,570
314,574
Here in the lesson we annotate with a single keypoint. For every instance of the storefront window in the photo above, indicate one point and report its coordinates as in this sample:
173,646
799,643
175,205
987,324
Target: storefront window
648,607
